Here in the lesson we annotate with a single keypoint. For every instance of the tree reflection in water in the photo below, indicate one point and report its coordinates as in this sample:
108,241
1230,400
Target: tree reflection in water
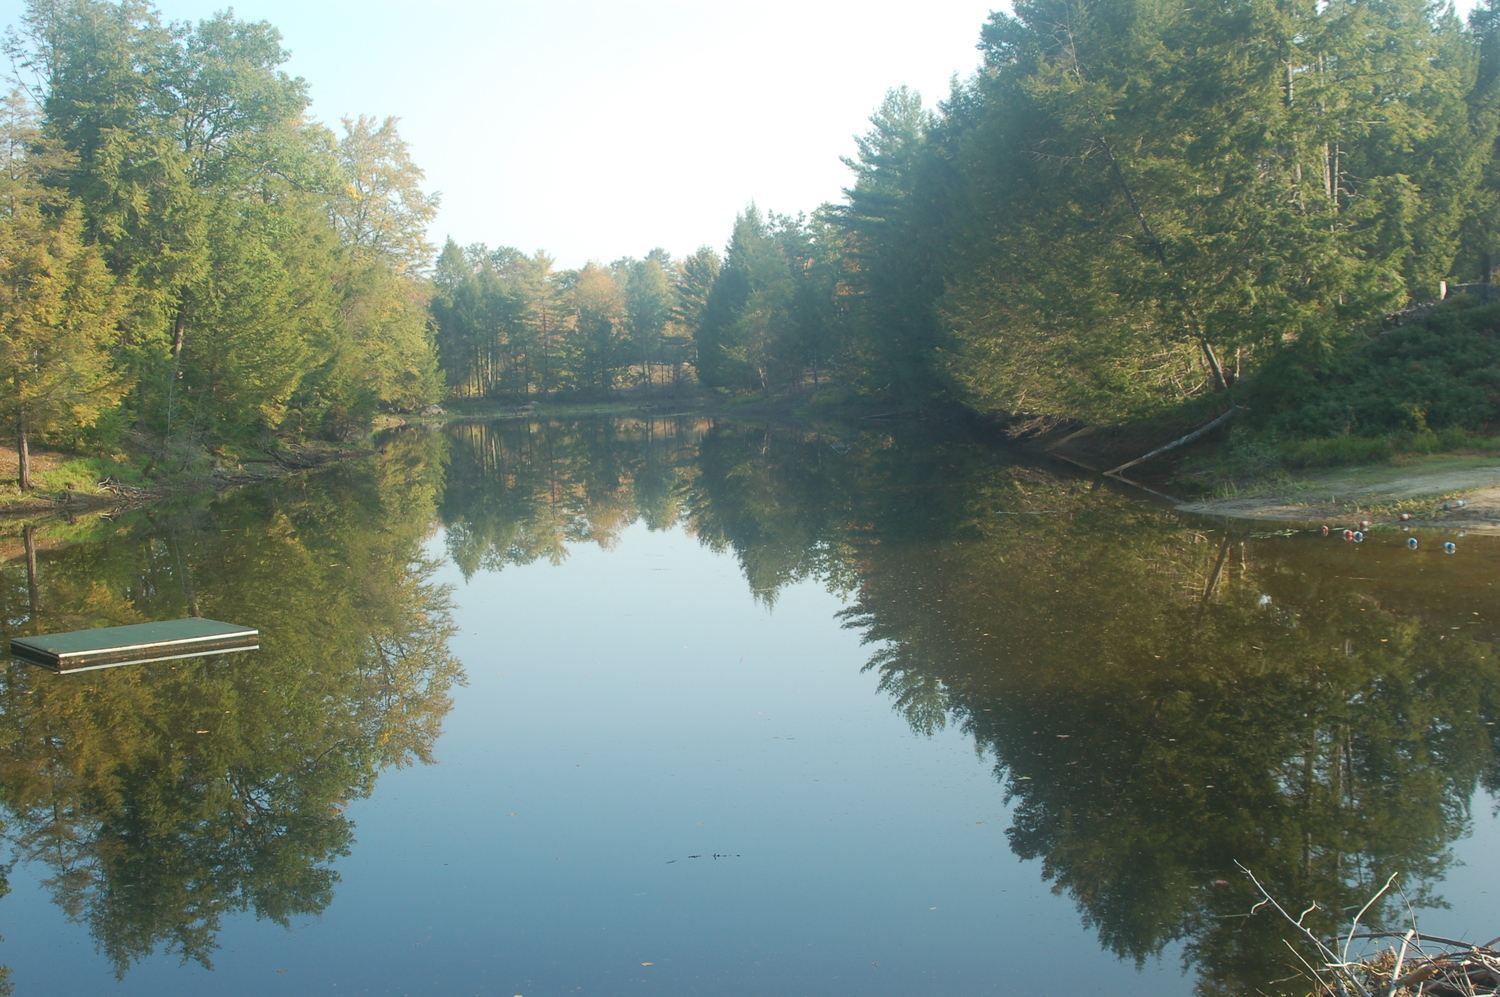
1160,699
164,797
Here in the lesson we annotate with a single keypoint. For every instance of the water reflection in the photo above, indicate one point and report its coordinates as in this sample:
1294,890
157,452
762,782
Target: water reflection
1160,699
519,492
164,798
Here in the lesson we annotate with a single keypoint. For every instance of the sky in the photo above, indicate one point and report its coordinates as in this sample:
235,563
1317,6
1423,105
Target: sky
598,129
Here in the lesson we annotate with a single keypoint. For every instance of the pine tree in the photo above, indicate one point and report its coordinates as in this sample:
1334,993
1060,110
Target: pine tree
59,304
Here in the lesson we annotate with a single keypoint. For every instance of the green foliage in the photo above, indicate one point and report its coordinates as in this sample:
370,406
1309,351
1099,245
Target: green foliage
896,233
260,317
270,272
1440,374
772,316
510,326
380,209
58,302
1130,205
597,309
497,316
649,305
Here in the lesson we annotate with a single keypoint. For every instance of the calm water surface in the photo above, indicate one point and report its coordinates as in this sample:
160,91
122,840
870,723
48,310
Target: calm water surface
669,707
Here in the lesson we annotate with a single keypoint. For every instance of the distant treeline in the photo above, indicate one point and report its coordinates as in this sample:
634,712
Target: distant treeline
1130,204
509,325
185,257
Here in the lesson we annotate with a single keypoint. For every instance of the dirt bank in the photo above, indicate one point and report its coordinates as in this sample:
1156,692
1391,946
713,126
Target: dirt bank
1422,488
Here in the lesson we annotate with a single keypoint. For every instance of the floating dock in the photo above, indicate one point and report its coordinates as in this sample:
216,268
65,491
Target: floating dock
136,644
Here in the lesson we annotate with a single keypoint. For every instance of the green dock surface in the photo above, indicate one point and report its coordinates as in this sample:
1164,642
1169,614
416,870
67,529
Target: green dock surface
137,643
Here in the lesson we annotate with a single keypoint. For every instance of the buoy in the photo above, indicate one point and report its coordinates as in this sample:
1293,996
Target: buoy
1358,537
1450,548
1412,543
1364,524
1325,531
1348,534
1455,504
1404,516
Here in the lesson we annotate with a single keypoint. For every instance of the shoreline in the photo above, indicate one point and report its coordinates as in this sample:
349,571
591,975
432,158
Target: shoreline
112,496
1382,493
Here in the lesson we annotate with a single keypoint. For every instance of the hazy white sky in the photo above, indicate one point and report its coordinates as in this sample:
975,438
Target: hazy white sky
601,128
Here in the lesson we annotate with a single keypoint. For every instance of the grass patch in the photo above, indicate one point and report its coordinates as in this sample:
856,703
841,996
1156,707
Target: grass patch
53,473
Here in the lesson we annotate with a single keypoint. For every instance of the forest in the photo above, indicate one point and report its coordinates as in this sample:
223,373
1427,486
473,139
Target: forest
188,260
1132,207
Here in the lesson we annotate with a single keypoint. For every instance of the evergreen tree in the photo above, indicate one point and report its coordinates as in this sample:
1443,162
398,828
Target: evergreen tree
59,304
597,310
649,301
895,232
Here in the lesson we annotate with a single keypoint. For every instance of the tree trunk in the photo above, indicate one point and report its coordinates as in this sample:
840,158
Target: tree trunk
179,330
1180,441
1213,364
23,455
28,535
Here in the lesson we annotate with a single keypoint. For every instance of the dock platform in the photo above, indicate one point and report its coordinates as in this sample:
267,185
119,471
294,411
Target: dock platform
138,643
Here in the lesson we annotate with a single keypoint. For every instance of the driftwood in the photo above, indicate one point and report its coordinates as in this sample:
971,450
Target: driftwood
1202,430
1414,969
1464,970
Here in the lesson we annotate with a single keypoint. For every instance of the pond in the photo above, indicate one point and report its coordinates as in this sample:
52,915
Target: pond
683,706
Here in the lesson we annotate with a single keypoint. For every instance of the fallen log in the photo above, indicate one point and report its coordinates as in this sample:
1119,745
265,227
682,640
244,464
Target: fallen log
1202,430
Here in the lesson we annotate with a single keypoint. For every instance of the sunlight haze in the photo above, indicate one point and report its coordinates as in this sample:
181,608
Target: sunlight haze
599,130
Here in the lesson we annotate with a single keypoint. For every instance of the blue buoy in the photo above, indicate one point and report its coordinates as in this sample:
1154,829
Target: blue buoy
1450,548
1358,537
1412,543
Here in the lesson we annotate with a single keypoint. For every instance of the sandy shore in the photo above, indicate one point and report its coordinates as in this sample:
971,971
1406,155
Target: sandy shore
1380,493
